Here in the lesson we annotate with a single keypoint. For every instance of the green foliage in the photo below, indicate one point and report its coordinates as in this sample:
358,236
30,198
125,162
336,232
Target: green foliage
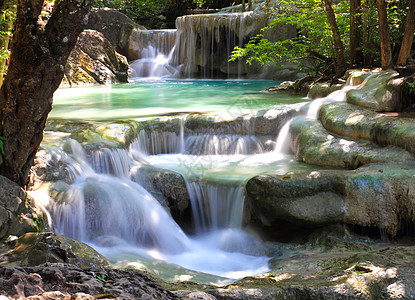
7,17
39,224
314,35
411,86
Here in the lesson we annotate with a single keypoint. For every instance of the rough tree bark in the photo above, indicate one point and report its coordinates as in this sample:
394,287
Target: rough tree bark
408,36
385,43
356,55
338,44
38,55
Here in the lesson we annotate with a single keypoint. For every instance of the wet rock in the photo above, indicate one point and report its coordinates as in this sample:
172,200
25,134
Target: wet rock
66,281
351,121
304,198
381,196
94,60
313,145
383,92
33,249
116,27
300,86
375,196
19,213
320,90
169,188
357,77
379,274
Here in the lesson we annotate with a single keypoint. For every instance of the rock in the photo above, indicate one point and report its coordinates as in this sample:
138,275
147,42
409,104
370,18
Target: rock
357,77
383,92
381,196
378,196
313,145
320,90
94,60
376,274
304,199
351,121
19,213
169,188
116,27
66,281
34,249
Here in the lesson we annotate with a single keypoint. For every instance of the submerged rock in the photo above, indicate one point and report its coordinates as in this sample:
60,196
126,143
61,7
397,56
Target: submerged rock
94,60
19,213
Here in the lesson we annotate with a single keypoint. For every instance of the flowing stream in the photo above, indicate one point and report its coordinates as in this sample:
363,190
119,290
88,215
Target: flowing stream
102,200
103,204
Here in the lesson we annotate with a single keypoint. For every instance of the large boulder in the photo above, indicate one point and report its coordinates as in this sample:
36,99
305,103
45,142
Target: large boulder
19,213
115,26
304,199
375,196
168,187
94,60
34,249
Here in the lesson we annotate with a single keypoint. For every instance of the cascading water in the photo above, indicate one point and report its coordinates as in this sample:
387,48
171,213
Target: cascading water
155,49
200,47
102,202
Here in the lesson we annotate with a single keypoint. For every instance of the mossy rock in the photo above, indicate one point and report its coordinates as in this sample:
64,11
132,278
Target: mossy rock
33,249
351,121
314,145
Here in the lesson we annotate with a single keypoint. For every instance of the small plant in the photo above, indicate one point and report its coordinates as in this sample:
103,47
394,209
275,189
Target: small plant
102,278
39,224
2,139
411,86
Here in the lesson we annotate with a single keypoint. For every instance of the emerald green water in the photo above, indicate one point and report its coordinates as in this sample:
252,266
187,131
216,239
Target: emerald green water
164,97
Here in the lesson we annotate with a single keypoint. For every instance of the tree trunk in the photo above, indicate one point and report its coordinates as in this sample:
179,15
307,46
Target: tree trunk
37,62
356,55
385,43
249,5
338,44
243,5
408,36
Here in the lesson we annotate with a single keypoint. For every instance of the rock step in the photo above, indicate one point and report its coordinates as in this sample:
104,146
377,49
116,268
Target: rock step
351,121
313,145
380,91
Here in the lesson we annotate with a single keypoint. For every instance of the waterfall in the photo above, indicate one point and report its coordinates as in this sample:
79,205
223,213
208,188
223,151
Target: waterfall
154,50
215,205
200,46
100,204
205,42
